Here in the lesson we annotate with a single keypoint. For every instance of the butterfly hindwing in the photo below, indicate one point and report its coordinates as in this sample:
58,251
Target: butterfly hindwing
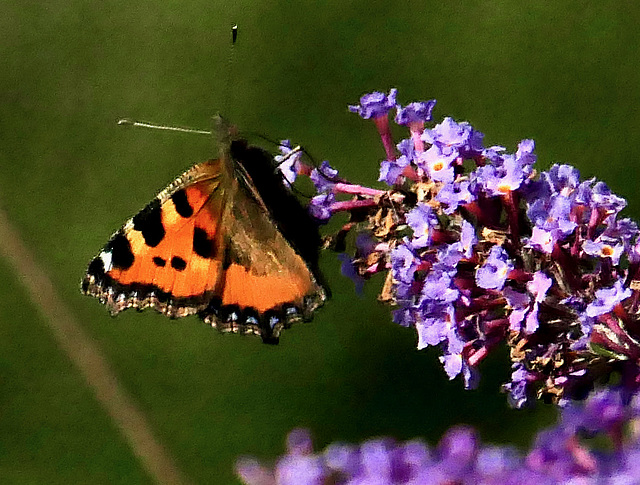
263,274
208,245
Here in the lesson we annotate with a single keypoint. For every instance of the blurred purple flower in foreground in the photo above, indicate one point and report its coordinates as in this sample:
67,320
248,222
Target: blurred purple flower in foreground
481,250
565,453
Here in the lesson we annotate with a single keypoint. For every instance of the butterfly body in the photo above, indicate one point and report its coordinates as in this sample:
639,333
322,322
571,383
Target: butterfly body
209,244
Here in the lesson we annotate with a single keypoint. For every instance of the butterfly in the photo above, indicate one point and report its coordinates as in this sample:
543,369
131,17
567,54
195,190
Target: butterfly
227,240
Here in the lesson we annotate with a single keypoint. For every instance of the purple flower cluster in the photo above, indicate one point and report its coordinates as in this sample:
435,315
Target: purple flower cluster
565,453
480,250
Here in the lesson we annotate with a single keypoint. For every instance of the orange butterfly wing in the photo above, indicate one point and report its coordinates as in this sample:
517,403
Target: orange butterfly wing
207,245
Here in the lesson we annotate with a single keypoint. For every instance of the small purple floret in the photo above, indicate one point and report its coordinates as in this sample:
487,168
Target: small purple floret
422,220
375,105
324,177
494,272
320,206
288,161
415,112
607,298
455,194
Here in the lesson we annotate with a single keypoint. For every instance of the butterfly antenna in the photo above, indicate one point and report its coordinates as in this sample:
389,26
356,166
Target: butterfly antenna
255,134
230,67
153,126
299,192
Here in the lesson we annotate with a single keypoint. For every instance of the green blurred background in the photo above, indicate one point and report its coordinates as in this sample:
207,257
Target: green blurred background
563,73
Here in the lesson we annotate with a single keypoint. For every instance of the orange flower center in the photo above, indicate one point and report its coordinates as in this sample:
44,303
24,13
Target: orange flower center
607,251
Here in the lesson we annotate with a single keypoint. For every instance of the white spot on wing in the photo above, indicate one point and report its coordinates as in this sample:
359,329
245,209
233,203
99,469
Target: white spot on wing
107,260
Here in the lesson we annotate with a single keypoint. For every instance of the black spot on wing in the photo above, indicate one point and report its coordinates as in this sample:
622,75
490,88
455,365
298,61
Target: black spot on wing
95,274
96,267
178,263
181,203
158,261
203,246
121,254
149,222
